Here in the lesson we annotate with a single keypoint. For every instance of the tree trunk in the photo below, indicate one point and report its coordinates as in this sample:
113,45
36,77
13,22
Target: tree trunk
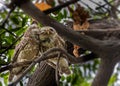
104,72
44,75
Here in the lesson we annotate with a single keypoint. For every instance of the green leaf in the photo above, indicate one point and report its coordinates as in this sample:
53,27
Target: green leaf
112,79
2,61
0,83
15,20
5,77
20,31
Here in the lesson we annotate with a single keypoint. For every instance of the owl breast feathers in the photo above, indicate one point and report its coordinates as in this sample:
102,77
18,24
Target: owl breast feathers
35,42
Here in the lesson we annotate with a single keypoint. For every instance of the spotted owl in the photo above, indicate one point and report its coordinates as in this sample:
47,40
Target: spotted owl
35,42
49,39
26,50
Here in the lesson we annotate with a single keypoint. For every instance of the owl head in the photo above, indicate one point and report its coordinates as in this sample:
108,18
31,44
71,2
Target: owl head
47,36
47,33
33,32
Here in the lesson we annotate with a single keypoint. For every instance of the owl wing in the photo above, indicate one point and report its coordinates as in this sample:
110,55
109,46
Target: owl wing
18,49
21,52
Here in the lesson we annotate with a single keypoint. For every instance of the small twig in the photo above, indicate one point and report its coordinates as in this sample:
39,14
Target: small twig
108,3
4,63
1,26
4,47
14,65
91,9
9,47
4,21
113,9
11,10
100,5
9,66
60,6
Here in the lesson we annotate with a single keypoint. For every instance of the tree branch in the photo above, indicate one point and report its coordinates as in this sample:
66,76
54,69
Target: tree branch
47,55
68,34
69,57
18,64
9,47
11,10
60,6
102,33
104,72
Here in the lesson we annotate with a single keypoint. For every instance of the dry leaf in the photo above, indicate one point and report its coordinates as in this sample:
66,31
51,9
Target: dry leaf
80,16
77,26
75,51
42,6
85,25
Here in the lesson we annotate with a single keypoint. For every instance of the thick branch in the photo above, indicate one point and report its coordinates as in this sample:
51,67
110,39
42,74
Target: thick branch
68,34
69,57
43,76
102,33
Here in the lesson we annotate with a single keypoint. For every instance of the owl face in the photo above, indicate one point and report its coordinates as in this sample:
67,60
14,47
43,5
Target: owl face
32,31
47,35
47,31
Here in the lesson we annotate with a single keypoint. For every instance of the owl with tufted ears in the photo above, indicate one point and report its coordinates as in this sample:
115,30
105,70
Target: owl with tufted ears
35,42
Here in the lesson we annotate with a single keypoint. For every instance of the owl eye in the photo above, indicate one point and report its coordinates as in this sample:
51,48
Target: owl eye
51,29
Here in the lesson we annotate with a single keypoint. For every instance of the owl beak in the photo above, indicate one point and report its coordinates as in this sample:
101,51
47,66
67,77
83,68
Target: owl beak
48,32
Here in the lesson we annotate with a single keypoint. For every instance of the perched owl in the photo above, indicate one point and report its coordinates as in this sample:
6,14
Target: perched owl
49,39
26,50
35,42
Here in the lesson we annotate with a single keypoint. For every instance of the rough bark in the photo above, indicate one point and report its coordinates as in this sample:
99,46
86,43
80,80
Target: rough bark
44,75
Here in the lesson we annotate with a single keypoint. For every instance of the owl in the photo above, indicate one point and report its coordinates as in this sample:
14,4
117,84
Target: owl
26,50
35,42
50,39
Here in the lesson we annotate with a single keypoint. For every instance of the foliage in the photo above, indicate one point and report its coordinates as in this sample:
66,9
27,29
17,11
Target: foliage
11,31
16,25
